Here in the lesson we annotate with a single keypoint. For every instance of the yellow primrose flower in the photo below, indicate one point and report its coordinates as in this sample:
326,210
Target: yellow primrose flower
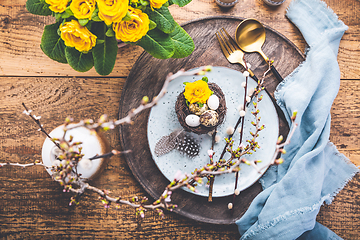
197,91
57,6
134,29
82,8
75,35
112,10
157,3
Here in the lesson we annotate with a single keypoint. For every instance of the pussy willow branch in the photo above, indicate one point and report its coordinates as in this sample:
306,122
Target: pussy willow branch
280,146
241,120
174,185
37,121
163,201
24,165
144,105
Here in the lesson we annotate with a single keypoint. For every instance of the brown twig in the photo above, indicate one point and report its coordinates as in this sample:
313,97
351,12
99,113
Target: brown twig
37,121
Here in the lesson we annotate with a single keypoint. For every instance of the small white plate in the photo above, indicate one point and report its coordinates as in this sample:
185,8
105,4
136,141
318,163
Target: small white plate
163,120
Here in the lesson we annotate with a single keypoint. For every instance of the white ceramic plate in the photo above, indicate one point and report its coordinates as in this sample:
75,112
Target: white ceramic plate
163,120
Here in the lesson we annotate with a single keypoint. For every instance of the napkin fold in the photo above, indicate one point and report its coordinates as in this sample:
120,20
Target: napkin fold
313,171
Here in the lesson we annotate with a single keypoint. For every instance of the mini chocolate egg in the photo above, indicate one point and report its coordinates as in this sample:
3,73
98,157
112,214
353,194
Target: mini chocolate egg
213,102
209,118
192,120
196,109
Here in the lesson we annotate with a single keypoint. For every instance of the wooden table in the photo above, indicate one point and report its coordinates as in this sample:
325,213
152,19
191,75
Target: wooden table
33,206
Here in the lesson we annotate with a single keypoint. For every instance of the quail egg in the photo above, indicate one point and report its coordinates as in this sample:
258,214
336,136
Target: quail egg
209,118
192,120
196,109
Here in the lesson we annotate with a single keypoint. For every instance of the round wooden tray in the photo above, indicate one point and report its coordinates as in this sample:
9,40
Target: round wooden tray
146,79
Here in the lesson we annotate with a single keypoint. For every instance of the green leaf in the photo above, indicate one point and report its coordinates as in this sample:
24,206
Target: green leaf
152,25
184,45
144,3
52,44
127,17
181,3
110,32
38,7
163,19
57,16
95,16
105,56
79,61
65,15
83,22
158,44
205,79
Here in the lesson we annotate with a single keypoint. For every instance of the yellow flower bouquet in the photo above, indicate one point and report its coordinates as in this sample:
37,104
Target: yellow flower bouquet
87,32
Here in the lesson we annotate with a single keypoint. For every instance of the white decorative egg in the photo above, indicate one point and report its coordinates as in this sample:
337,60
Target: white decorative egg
192,120
213,102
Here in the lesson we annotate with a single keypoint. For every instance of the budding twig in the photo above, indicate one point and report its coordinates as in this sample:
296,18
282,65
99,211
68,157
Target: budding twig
65,175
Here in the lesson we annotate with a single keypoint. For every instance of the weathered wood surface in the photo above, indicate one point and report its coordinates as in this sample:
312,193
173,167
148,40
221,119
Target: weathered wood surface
34,207
20,34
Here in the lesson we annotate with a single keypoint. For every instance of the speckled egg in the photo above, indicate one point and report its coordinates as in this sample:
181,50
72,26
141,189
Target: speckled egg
213,102
196,109
209,118
192,120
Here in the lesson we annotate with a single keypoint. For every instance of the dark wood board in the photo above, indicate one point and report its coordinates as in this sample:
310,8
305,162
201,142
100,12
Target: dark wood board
146,79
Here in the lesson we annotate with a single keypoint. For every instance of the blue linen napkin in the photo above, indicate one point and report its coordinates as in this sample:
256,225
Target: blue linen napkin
313,171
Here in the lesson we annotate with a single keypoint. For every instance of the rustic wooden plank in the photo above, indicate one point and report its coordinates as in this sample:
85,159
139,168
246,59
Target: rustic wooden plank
345,132
33,206
20,34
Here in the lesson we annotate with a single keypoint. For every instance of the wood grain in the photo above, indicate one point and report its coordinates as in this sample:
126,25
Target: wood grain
20,34
34,207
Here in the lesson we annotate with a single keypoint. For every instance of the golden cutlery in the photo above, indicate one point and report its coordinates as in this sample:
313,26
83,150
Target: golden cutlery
231,50
250,36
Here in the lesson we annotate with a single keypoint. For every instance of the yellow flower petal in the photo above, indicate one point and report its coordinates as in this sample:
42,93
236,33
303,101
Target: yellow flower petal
75,35
197,91
134,29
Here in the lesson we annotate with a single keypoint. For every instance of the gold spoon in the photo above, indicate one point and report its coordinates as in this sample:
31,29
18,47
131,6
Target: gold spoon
250,36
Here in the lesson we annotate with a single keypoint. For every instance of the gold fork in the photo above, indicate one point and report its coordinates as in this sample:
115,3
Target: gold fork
231,50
